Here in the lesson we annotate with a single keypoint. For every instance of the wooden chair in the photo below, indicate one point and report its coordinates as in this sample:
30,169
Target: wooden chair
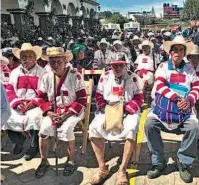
93,72
85,122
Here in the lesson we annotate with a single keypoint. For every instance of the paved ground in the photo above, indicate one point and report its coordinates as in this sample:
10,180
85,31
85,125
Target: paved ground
19,172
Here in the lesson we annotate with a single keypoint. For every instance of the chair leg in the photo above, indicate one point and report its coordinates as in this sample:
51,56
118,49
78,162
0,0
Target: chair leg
85,138
4,137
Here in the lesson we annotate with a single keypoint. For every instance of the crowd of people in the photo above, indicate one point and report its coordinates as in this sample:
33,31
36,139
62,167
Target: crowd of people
47,95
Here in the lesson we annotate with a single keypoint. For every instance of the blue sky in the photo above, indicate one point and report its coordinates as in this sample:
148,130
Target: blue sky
124,6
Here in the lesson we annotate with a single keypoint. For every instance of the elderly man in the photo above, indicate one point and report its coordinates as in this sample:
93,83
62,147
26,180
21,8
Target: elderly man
176,91
119,50
21,89
136,41
114,85
62,94
146,63
102,56
193,58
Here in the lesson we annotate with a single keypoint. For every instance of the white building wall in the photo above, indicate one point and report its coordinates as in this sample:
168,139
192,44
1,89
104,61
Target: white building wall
13,4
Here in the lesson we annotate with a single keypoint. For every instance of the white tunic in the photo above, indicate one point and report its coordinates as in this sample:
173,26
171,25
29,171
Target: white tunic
186,77
22,88
71,96
100,60
145,67
108,91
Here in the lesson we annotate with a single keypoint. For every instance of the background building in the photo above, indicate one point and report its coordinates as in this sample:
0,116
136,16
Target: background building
171,11
43,12
144,17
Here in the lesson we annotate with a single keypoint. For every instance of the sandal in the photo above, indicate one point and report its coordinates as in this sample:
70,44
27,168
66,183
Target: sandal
122,178
69,169
42,169
101,175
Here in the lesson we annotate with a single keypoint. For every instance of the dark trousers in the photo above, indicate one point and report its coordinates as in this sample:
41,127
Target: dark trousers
188,148
18,138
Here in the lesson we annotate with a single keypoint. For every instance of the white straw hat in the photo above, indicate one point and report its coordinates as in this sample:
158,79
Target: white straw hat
27,47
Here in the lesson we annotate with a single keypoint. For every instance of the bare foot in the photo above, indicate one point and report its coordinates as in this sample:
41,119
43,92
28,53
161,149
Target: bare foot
122,178
99,177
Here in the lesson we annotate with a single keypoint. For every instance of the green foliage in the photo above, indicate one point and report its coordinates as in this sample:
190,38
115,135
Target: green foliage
105,15
191,10
118,19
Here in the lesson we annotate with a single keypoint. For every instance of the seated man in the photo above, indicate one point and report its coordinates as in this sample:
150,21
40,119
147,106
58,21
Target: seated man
113,85
176,91
145,63
22,87
193,58
62,94
102,56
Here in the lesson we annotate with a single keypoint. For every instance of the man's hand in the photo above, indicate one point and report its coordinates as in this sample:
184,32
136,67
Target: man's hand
183,104
30,106
21,107
54,117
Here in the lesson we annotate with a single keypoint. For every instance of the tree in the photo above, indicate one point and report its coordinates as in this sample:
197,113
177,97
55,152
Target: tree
118,19
105,15
191,10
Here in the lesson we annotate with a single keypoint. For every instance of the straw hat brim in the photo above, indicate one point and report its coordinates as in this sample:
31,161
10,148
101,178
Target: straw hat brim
107,43
36,49
168,44
69,56
118,62
146,44
4,60
190,54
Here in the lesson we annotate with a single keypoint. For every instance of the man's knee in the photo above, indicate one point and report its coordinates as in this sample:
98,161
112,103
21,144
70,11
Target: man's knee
194,128
44,136
149,125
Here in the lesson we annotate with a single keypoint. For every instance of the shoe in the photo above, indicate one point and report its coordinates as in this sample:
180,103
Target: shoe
69,169
156,171
42,169
31,153
184,173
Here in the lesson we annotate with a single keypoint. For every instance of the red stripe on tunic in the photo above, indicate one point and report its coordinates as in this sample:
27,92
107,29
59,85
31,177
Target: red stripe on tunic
173,97
15,104
81,97
77,107
10,92
195,83
192,100
27,82
194,94
161,79
195,89
9,87
129,110
99,99
133,105
159,86
164,92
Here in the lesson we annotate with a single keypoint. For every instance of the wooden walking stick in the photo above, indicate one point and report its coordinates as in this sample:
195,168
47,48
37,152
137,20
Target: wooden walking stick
56,138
